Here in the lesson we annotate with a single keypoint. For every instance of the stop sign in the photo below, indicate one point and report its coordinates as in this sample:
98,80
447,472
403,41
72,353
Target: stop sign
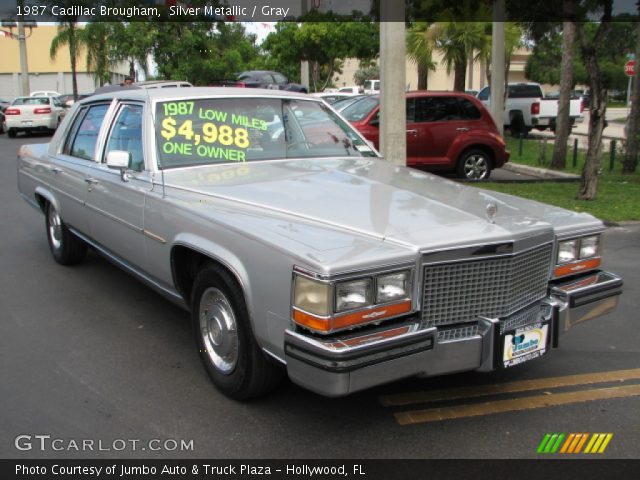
629,68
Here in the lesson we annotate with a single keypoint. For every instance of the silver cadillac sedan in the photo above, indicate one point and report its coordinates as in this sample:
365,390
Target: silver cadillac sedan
299,251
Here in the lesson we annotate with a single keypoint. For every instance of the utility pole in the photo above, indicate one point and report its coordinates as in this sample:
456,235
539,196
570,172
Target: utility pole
393,121
497,65
25,90
304,64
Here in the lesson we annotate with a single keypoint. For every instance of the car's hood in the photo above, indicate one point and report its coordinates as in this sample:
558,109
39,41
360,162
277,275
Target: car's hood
378,199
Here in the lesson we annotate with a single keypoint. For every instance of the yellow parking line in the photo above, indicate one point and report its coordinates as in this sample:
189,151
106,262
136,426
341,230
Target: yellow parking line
525,403
511,387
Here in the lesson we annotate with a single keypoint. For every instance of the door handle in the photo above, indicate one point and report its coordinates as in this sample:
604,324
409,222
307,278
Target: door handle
462,129
57,170
91,181
413,132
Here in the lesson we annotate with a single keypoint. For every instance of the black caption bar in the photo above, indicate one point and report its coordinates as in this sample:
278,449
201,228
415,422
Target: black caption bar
317,469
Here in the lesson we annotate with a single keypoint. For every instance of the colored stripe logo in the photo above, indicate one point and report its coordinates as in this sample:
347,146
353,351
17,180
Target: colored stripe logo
574,443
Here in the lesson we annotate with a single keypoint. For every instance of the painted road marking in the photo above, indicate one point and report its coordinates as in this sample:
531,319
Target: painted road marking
511,387
524,403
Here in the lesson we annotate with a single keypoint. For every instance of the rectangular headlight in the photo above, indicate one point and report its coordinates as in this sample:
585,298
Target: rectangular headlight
392,286
589,247
567,251
353,294
312,296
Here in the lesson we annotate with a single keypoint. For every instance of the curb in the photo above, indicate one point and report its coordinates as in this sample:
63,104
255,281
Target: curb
541,172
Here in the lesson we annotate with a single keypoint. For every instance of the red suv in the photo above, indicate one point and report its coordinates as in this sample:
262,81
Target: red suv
445,131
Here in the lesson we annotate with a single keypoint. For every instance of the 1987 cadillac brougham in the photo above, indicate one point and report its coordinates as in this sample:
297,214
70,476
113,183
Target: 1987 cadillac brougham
297,249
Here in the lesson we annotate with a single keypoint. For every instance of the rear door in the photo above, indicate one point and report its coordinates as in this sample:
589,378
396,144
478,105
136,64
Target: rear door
436,123
69,167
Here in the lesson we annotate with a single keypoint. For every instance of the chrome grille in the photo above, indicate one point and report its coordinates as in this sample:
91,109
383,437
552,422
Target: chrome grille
494,287
457,333
525,317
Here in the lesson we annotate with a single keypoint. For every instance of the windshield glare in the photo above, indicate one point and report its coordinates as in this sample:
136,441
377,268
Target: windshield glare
229,130
360,109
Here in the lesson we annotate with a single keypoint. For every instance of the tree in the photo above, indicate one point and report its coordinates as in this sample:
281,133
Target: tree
371,72
563,127
325,44
420,47
96,39
590,39
132,43
633,123
68,36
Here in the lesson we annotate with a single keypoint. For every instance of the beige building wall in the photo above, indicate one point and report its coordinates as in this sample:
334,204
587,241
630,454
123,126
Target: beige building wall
440,79
45,73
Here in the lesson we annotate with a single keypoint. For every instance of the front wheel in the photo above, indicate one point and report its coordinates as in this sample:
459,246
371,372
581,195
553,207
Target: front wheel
230,354
474,164
66,248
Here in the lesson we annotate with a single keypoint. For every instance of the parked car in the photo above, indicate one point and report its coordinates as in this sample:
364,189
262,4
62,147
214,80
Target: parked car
353,90
45,93
371,86
307,253
29,114
4,104
343,103
526,108
262,79
331,98
445,131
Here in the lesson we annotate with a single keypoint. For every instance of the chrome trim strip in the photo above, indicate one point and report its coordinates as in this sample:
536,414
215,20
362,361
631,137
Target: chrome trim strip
153,236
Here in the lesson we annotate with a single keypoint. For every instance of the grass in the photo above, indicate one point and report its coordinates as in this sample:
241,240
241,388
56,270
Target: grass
618,196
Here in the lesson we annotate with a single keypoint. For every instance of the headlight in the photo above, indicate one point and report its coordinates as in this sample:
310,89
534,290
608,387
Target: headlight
393,286
589,247
567,251
312,296
353,294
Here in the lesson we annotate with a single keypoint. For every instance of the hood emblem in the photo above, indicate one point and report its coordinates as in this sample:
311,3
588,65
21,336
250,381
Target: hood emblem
491,211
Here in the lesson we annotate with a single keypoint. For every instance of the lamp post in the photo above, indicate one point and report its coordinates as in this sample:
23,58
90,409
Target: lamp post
22,40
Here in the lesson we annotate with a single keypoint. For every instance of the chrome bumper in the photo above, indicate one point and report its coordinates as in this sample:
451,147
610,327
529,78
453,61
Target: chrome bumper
342,365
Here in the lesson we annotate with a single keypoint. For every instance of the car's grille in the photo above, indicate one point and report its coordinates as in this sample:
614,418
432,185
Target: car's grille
457,333
494,288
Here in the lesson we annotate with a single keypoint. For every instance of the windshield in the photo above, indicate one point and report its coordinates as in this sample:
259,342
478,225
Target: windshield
229,130
360,109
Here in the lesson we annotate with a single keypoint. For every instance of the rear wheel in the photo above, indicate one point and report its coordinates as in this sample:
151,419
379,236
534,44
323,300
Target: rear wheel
474,164
230,354
11,132
66,248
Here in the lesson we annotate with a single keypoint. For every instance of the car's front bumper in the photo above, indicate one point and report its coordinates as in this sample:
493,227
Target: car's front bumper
342,365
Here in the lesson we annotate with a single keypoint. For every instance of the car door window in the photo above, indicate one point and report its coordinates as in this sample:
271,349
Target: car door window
84,132
280,79
484,94
437,109
126,135
469,110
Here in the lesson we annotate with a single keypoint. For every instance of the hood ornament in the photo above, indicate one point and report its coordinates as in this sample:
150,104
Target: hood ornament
491,211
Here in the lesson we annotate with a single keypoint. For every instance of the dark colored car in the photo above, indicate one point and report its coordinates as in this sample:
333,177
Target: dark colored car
262,79
446,131
1,121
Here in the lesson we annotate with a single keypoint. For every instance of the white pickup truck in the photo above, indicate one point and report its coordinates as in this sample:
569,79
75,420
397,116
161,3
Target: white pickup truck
526,108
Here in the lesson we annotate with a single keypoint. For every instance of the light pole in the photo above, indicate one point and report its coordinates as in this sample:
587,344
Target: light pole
22,41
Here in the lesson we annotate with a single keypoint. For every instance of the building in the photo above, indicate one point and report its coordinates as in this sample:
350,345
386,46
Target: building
440,79
45,73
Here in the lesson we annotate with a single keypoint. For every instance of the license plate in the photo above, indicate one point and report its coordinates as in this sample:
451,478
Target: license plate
525,344
27,123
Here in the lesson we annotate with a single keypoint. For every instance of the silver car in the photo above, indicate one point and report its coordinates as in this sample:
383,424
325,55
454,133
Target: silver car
299,251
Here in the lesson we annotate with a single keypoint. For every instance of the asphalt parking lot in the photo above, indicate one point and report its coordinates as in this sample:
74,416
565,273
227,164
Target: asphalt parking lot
89,353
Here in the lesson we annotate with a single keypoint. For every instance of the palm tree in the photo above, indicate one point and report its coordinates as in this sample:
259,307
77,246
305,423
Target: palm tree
95,37
420,45
68,35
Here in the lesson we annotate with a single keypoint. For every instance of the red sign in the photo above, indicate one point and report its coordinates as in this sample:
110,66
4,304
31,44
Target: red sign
629,68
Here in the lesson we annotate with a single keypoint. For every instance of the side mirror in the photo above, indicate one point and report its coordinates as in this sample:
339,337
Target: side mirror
119,159
375,122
